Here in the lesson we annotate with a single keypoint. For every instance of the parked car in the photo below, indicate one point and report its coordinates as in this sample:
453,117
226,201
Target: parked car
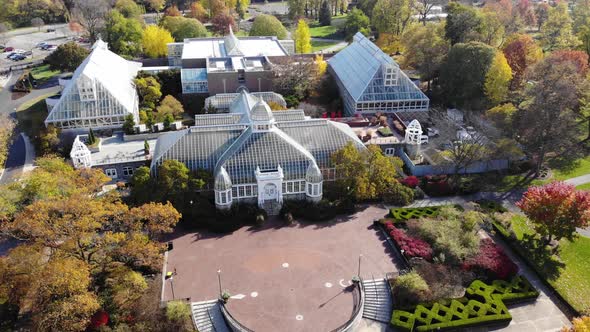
28,53
18,57
19,51
51,30
46,46
41,44
9,49
8,55
52,48
2,47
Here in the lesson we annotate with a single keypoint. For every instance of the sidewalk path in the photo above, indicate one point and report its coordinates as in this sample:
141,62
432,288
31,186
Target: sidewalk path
578,181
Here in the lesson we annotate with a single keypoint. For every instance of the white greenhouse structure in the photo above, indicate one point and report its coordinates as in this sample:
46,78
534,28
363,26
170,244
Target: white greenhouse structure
100,94
257,155
370,81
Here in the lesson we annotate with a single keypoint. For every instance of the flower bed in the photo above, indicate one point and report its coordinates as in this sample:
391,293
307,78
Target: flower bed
491,260
411,247
482,304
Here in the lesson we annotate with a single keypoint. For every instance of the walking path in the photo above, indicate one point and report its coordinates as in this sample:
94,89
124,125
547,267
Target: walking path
578,181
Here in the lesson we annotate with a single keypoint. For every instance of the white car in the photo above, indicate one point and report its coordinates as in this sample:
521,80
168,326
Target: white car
19,51
41,44
52,48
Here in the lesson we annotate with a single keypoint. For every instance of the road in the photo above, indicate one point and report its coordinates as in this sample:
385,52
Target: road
8,103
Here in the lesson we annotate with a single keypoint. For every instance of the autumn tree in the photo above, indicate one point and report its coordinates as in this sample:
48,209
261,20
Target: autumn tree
149,91
556,210
197,11
521,52
215,7
155,41
493,30
505,14
242,7
581,23
130,9
302,37
156,5
268,25
169,106
557,32
172,11
426,49
463,74
90,14
498,79
579,324
542,14
527,12
577,58
547,122
222,23
368,174
67,57
7,125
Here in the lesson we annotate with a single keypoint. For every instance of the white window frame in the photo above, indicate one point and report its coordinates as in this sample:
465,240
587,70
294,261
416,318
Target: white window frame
111,172
128,171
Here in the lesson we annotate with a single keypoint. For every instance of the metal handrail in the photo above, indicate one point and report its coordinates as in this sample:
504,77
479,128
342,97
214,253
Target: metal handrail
376,294
357,309
210,319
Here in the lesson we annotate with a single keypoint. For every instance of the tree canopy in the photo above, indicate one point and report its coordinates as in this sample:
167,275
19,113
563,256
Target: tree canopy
556,32
498,79
464,23
268,25
182,27
356,21
123,34
67,57
155,41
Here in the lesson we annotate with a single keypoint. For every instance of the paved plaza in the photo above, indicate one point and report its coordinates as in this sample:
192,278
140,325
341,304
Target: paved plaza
282,278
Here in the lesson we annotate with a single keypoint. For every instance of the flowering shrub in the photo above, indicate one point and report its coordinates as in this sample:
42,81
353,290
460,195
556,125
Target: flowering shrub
492,260
411,246
100,318
410,181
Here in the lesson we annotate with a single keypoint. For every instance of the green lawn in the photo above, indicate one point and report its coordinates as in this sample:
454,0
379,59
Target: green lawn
569,273
580,167
327,31
43,73
317,45
31,116
584,187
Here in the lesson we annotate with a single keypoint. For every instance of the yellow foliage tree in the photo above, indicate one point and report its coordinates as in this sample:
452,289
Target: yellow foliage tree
155,41
581,324
320,65
302,37
498,79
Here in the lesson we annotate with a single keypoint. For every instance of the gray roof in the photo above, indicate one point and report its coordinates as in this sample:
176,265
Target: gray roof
359,67
230,141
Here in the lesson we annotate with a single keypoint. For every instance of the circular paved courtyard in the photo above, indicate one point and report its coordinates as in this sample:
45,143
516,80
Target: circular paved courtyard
281,278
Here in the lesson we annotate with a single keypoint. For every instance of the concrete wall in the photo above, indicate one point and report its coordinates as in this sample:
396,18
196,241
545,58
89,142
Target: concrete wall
215,82
477,167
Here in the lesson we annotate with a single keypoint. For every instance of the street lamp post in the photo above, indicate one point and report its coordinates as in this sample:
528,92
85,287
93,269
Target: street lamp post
359,270
219,279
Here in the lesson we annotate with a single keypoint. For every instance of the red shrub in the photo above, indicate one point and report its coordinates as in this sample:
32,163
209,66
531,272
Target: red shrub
492,260
100,318
410,181
411,246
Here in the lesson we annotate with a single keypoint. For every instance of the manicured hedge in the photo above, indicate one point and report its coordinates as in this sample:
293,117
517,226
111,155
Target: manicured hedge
403,214
482,304
491,206
516,290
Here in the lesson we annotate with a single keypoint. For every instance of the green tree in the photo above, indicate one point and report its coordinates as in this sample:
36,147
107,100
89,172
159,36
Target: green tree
581,25
241,7
492,30
125,286
129,124
91,137
141,185
155,41
169,106
297,9
463,74
557,32
130,9
463,24
356,21
149,91
426,49
503,117
268,25
67,57
498,79
48,141
325,14
302,37
173,181
392,16
123,34
181,27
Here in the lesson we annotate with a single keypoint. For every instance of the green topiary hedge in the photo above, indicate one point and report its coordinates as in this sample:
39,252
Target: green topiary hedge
403,214
482,304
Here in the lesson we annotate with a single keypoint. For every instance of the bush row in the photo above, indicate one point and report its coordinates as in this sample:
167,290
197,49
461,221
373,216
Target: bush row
322,211
403,214
482,304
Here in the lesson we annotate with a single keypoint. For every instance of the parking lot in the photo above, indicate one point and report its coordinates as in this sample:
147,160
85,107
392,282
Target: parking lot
28,42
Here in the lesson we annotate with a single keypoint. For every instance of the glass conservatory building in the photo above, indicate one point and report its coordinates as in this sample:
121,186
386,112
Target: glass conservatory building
100,94
370,81
257,155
